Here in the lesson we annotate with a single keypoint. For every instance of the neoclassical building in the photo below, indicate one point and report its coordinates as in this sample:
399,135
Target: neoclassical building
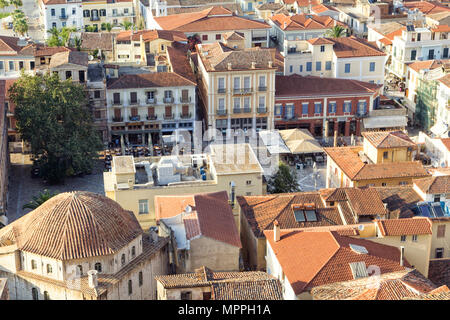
80,245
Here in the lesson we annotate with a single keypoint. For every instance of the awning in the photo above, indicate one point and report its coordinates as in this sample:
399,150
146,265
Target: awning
304,146
439,129
385,122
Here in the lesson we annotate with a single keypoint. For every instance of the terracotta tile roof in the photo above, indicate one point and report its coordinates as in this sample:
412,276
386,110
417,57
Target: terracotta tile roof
211,19
441,28
73,57
233,35
105,281
48,2
399,200
74,225
446,142
262,211
389,286
250,285
203,5
297,85
400,227
217,57
270,6
318,41
426,7
311,259
97,40
349,47
434,185
178,59
322,8
148,80
429,64
211,215
446,81
438,296
365,201
49,51
151,35
385,41
304,22
348,160
388,139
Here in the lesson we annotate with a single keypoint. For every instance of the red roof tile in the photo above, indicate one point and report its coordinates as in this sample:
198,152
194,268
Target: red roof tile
403,227
304,22
388,139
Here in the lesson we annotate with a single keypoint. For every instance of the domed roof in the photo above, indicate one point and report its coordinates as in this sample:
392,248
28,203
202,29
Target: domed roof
73,225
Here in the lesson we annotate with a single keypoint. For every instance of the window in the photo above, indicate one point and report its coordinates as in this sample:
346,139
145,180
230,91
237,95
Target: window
328,65
362,107
237,83
403,238
318,66
403,183
141,279
372,67
317,107
74,10
237,103
46,295
33,264
262,102
445,53
49,268
291,68
221,84
385,154
130,287
413,54
221,103
68,75
1,65
34,294
301,68
87,13
123,259
305,107
246,82
218,36
206,295
186,295
332,107
205,37
248,182
383,184
437,198
414,237
53,12
97,94
441,231
322,48
439,253
133,251
278,110
98,267
347,68
79,270
419,35
11,65
262,81
347,106
309,66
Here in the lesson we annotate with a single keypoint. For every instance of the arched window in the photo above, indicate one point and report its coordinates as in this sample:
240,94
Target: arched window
98,267
133,251
49,268
123,259
141,279
130,287
46,295
34,294
79,270
33,264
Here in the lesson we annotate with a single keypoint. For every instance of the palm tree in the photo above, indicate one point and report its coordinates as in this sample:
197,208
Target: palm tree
336,32
64,33
39,199
77,42
54,40
126,25
4,4
20,24
16,3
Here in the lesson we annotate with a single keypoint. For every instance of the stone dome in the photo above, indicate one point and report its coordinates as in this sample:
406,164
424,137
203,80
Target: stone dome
73,225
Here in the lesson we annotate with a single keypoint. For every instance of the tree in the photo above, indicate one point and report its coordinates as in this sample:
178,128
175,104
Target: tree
53,116
39,199
126,25
59,37
107,26
283,181
90,29
20,24
192,41
4,4
336,32
77,42
16,3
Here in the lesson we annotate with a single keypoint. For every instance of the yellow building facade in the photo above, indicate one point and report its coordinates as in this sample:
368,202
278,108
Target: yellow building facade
104,11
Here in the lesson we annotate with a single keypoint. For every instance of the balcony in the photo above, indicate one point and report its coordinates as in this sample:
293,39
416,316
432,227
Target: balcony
237,110
123,14
221,112
134,102
151,101
361,114
117,102
117,119
262,88
289,117
259,38
169,116
95,18
221,90
168,100
185,100
152,117
262,109
185,115
63,17
135,118
247,110
243,91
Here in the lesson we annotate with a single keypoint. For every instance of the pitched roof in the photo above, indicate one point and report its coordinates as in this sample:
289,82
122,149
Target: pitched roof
319,41
270,6
151,35
268,289
217,57
365,201
446,81
322,8
400,227
148,80
311,259
97,40
349,162
389,286
350,47
388,139
211,215
446,142
426,7
297,85
434,185
211,19
73,57
304,22
428,64
399,200
73,225
177,54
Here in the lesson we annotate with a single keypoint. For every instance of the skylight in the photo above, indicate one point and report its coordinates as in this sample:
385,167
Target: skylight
358,249
359,270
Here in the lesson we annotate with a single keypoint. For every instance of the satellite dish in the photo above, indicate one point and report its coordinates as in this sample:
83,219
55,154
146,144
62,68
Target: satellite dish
90,57
188,209
361,227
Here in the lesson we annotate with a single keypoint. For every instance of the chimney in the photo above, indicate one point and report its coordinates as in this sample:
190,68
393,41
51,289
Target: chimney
402,253
276,231
270,63
92,279
229,65
253,64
